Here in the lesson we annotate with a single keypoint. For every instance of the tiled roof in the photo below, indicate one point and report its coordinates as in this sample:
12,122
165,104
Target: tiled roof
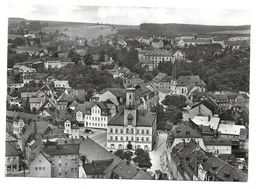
207,121
185,131
143,119
210,141
61,149
190,81
230,129
118,92
162,77
11,149
97,166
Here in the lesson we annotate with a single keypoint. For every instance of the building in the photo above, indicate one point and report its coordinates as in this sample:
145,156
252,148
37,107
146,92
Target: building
198,109
61,84
64,159
217,146
178,55
185,85
12,159
56,64
162,82
131,128
41,166
97,162
93,114
148,64
191,162
194,42
72,129
156,56
207,121
145,40
157,43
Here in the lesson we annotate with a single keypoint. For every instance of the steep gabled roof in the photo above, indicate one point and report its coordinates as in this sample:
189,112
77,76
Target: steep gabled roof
11,150
190,81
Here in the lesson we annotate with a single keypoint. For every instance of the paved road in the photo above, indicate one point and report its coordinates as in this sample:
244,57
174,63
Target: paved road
99,136
156,154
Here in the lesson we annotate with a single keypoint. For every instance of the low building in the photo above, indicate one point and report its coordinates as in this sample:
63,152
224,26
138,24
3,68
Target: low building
12,159
157,43
162,82
217,146
194,42
72,129
93,114
185,85
198,109
156,56
41,166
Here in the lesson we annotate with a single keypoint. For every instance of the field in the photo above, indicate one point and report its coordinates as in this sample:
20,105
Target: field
88,31
232,32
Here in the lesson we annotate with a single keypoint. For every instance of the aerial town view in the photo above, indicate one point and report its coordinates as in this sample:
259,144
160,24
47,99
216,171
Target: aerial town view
148,101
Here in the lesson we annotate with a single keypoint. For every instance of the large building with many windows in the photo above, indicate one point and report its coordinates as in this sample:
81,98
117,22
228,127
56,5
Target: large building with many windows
131,128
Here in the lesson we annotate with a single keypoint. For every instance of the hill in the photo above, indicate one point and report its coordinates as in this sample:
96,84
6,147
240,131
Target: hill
188,29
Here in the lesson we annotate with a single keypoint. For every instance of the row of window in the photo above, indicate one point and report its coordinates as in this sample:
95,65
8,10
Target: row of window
120,146
157,58
130,131
96,118
39,168
11,159
96,111
96,124
116,138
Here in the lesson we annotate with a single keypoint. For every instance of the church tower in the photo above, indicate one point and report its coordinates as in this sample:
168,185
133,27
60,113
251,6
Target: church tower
130,111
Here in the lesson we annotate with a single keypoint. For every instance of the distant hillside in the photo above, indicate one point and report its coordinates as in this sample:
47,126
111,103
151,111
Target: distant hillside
188,29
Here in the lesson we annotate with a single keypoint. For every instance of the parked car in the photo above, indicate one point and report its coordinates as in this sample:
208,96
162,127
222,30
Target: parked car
88,131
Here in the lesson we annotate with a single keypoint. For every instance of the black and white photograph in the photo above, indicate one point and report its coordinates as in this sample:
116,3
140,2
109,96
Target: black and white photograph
127,92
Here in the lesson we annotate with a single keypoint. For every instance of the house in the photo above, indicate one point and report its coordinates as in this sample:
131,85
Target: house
131,128
217,146
178,55
145,40
97,162
41,166
64,159
184,85
156,56
198,109
183,133
194,42
56,64
25,95
116,95
93,114
162,82
64,100
61,84
12,159
148,64
157,43
191,162
35,103
72,128
211,122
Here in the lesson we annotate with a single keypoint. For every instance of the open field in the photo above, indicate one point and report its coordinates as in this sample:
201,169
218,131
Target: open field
232,32
88,31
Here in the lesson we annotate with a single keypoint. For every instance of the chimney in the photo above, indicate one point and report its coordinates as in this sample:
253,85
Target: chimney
184,144
34,127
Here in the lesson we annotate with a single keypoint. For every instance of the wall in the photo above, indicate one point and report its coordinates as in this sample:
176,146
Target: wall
40,167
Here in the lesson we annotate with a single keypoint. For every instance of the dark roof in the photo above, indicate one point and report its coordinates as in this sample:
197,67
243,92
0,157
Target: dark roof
129,171
11,149
162,77
190,81
97,166
88,105
60,149
144,119
118,92
185,131
21,115
209,141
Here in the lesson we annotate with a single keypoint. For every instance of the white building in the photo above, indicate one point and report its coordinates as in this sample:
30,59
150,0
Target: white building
61,84
156,56
131,128
72,128
93,114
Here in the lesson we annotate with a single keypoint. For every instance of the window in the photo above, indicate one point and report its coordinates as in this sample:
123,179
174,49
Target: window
147,139
116,131
132,138
111,137
40,168
36,168
142,131
122,138
66,173
59,173
59,164
127,138
137,131
66,164
121,131
142,139
147,131
111,130
116,138
137,138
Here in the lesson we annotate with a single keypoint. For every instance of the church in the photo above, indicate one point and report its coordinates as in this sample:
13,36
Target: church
131,128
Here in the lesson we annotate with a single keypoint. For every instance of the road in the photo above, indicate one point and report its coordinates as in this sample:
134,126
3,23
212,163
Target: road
156,154
99,136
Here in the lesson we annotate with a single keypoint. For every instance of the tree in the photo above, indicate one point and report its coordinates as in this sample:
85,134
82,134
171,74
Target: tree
102,55
19,41
142,159
176,100
127,155
88,59
173,114
75,58
147,77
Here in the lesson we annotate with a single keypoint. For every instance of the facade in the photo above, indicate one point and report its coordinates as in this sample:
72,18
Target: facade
178,55
40,167
12,158
93,114
156,56
72,129
162,82
196,110
131,128
61,84
157,43
64,159
194,42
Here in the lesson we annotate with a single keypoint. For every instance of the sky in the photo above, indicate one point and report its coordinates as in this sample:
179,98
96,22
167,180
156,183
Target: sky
129,15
